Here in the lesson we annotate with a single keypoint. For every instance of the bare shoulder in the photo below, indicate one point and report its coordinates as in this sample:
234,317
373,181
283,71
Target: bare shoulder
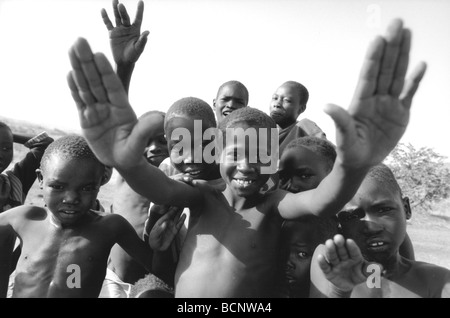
30,212
432,271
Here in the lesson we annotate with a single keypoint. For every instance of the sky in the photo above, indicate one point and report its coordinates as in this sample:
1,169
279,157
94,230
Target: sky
194,46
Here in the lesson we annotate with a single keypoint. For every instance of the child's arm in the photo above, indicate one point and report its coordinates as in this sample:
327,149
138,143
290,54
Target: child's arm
370,129
113,131
127,42
25,169
336,268
160,239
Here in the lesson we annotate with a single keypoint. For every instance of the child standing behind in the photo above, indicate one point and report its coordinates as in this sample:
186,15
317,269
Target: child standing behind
14,187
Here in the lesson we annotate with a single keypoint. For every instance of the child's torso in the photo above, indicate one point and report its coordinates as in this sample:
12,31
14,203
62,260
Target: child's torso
228,253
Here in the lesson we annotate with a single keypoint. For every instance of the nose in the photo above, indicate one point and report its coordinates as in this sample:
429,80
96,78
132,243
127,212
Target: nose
371,226
71,197
244,166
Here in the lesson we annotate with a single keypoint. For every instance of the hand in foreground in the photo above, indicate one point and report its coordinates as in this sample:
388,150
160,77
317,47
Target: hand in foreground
343,265
127,42
107,120
166,227
380,109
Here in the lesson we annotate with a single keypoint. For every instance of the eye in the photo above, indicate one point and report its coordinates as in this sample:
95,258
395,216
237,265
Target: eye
302,255
56,186
6,148
383,210
89,188
161,140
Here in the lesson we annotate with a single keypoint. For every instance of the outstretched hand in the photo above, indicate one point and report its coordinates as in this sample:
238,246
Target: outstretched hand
127,42
379,113
107,120
166,227
343,264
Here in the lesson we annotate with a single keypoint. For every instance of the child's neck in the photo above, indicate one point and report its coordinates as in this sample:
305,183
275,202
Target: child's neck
239,202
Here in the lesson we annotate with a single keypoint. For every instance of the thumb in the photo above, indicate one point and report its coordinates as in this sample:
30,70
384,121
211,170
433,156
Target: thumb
342,119
141,42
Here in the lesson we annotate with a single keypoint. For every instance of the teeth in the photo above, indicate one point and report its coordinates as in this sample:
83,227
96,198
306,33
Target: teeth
69,212
375,244
244,182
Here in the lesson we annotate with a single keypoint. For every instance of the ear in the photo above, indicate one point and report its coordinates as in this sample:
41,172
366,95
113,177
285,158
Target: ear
106,175
39,177
302,108
214,103
407,207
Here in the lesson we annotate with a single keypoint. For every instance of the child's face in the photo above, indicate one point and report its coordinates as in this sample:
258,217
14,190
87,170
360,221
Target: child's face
184,160
239,166
375,219
301,240
285,105
301,169
156,150
6,148
70,187
229,98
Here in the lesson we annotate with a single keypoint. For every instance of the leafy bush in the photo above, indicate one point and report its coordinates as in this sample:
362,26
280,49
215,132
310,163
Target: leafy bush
422,174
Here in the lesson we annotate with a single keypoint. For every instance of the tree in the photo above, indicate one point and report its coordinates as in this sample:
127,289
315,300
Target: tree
421,173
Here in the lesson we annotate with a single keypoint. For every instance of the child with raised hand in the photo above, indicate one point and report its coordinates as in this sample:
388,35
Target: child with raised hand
14,187
373,227
65,245
231,246
127,44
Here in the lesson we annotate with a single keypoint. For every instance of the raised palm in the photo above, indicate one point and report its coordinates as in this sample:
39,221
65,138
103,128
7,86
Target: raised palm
127,42
379,113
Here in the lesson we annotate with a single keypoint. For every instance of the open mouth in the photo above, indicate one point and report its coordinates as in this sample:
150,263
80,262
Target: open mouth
226,113
377,246
243,183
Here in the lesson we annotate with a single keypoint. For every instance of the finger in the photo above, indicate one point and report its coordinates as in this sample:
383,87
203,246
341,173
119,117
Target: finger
141,42
368,75
124,15
412,84
92,75
323,264
74,91
111,83
139,14
115,5
353,250
106,20
78,75
390,56
341,249
402,64
331,253
180,222
342,119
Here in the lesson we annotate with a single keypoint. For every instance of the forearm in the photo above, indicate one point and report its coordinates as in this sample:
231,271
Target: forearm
124,72
336,189
153,184
21,139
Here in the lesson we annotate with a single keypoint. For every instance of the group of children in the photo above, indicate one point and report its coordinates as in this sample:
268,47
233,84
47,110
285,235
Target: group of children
223,228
